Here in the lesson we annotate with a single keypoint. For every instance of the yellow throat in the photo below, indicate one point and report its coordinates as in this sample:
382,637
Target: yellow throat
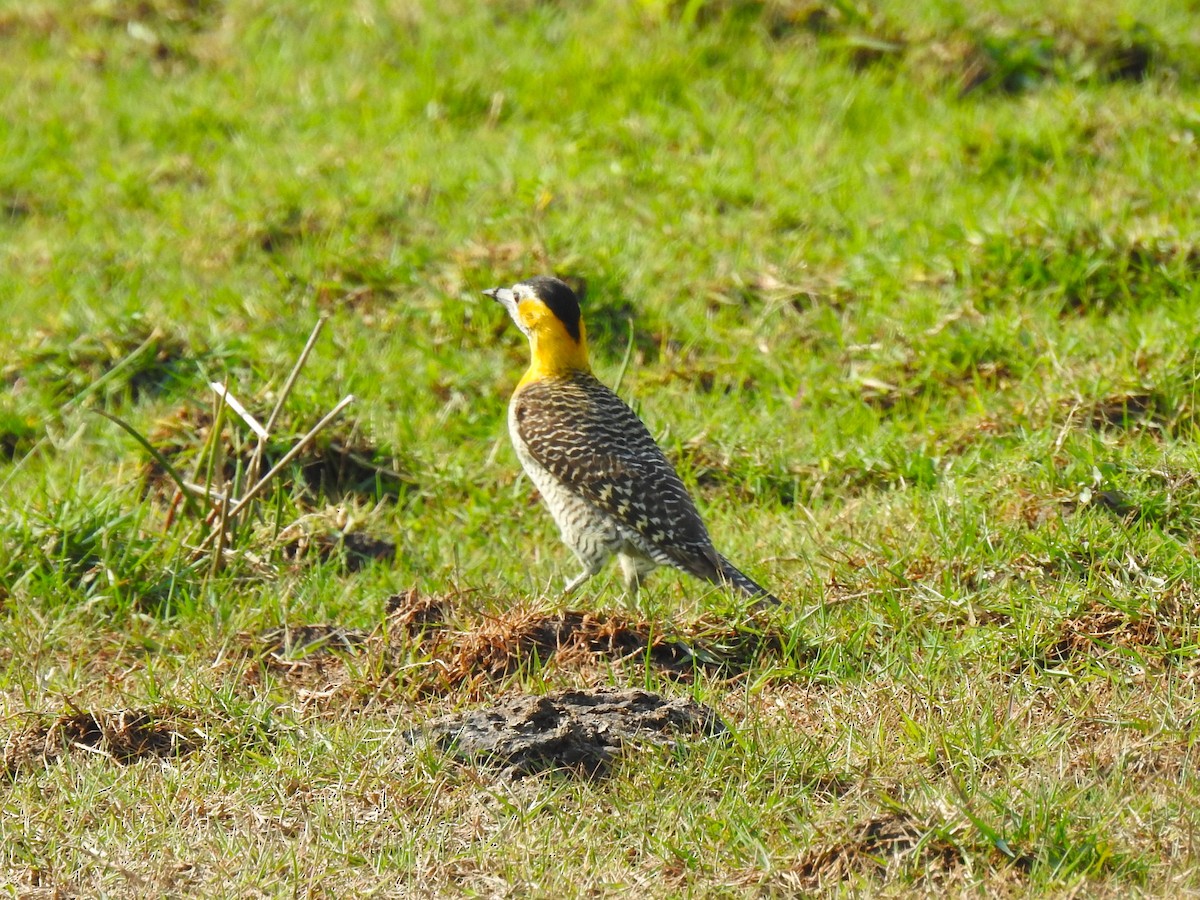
553,352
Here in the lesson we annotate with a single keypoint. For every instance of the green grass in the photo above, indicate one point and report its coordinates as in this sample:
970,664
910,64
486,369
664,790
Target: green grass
912,297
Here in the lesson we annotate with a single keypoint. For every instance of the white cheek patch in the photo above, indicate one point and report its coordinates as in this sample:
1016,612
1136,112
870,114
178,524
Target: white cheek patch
512,306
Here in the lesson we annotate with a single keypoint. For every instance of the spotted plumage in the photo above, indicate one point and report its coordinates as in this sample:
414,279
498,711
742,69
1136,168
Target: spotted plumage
603,478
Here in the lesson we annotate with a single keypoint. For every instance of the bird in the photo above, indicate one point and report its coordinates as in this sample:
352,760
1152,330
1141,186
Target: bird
604,479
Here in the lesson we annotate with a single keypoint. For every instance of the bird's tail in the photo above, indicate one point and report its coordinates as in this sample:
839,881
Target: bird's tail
734,577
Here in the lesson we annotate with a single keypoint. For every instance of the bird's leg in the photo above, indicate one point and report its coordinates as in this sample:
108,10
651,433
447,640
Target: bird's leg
591,561
630,577
577,581
633,570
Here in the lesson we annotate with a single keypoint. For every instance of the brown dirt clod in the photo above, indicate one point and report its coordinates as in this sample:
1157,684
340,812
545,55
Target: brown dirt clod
413,611
1100,631
880,846
122,735
292,639
355,549
488,649
1123,411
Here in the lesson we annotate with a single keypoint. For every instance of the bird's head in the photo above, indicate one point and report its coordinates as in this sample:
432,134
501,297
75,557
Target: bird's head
547,311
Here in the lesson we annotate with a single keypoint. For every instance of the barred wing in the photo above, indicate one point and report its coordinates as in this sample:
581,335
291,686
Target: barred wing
593,443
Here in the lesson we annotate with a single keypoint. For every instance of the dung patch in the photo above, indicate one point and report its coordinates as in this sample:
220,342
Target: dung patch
581,732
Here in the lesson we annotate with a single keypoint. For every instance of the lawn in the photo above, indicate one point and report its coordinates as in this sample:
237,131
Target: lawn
911,297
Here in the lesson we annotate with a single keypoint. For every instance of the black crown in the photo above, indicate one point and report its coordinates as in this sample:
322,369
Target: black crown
560,300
